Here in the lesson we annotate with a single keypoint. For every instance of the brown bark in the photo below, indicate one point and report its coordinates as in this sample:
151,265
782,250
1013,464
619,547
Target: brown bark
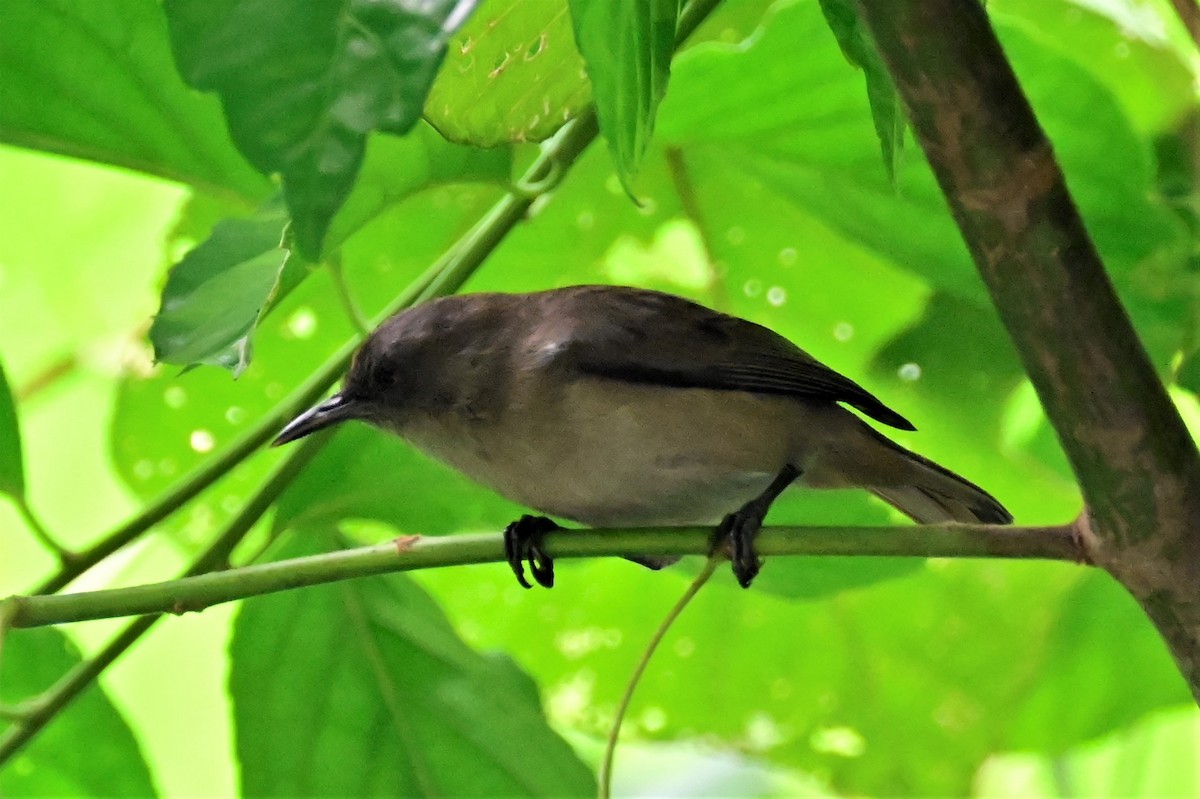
1136,463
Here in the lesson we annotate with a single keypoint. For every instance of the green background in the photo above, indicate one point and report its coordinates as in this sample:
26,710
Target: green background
832,676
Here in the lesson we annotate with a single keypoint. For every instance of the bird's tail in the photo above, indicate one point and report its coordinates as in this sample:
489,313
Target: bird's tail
930,493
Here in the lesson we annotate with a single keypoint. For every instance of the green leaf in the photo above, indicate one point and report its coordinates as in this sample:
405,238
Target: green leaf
627,46
819,155
216,295
859,49
220,292
364,688
12,465
303,82
397,167
1188,374
166,424
96,81
88,748
512,74
906,685
1079,696
1121,44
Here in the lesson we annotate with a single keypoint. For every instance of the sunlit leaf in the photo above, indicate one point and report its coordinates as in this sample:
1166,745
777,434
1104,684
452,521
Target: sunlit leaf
12,465
1147,760
303,82
88,749
512,74
627,46
1123,45
96,81
364,688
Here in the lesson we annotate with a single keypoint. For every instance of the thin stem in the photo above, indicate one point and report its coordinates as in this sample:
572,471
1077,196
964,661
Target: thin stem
428,552
65,556
610,746
685,189
361,324
203,476
46,706
62,367
6,622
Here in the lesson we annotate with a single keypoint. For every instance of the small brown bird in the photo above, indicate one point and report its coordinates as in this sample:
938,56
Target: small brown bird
615,406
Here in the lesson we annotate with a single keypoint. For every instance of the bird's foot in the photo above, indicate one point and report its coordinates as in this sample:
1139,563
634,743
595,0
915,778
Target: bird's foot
739,529
523,544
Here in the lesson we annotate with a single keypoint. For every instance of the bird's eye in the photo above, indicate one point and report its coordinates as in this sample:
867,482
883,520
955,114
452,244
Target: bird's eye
385,376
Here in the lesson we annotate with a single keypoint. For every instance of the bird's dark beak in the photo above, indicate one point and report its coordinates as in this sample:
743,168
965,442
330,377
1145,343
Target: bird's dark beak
336,409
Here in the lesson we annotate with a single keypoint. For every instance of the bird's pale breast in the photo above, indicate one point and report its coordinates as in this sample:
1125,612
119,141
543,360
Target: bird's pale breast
610,453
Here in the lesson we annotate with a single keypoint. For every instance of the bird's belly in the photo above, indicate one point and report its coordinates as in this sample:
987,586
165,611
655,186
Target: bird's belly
612,454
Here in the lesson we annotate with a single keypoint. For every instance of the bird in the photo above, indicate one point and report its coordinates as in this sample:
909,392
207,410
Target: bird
615,406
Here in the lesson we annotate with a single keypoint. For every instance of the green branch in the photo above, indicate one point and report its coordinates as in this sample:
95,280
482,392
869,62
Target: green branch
421,552
36,713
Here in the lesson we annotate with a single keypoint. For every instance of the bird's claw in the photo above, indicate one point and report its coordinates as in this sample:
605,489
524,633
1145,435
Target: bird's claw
740,529
523,544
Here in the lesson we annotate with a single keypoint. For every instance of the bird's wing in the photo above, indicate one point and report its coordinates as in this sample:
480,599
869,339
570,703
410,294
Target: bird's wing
648,337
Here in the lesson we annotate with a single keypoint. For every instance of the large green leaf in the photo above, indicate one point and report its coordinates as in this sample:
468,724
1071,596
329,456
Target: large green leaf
804,129
363,688
88,749
1123,44
859,49
303,82
900,688
217,294
1079,696
96,81
627,47
512,74
820,155
12,465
